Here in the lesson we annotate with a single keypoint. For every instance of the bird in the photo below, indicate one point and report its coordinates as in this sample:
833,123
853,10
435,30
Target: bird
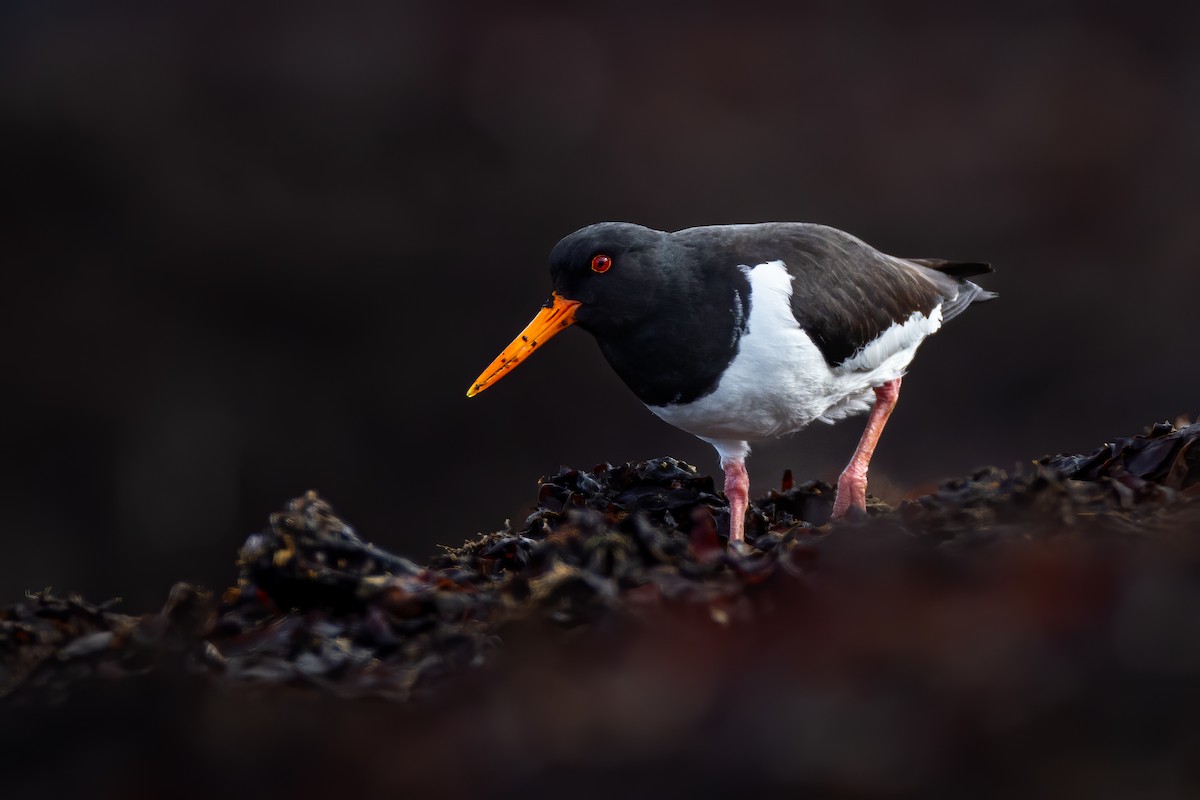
746,332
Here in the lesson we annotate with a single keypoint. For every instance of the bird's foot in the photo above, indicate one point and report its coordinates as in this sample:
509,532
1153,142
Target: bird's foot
739,547
851,496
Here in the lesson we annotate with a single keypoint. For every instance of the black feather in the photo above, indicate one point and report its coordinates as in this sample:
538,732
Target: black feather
955,269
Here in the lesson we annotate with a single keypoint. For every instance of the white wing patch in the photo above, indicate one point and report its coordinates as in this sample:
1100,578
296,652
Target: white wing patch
895,341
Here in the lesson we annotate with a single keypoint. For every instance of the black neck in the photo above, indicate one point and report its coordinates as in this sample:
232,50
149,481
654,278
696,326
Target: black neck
692,339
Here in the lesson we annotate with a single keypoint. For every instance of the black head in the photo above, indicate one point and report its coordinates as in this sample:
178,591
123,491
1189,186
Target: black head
666,313
617,271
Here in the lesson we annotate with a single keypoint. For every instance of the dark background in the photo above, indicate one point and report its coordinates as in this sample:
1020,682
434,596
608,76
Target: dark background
251,251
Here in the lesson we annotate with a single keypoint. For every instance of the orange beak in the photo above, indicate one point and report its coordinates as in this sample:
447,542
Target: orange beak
556,316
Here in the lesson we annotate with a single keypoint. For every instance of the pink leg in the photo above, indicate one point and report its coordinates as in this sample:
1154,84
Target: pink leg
737,490
852,485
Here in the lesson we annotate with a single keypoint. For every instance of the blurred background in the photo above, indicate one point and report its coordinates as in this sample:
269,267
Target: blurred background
250,251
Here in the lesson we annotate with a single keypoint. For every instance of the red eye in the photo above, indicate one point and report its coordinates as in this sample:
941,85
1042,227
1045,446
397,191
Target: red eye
601,263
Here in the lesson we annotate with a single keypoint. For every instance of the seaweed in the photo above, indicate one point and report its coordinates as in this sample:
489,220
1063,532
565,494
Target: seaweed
316,606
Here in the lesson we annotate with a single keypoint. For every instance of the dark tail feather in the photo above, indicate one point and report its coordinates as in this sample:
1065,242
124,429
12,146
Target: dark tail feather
952,277
955,269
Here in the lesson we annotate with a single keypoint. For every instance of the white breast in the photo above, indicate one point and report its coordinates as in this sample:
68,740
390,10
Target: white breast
779,382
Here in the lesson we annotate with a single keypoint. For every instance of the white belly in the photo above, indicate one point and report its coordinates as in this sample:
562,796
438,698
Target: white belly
779,382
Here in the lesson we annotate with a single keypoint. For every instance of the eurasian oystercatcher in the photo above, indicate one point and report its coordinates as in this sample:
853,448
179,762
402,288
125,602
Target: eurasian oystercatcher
737,333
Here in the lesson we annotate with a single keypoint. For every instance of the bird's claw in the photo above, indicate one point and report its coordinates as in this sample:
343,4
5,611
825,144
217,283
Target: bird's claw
739,547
